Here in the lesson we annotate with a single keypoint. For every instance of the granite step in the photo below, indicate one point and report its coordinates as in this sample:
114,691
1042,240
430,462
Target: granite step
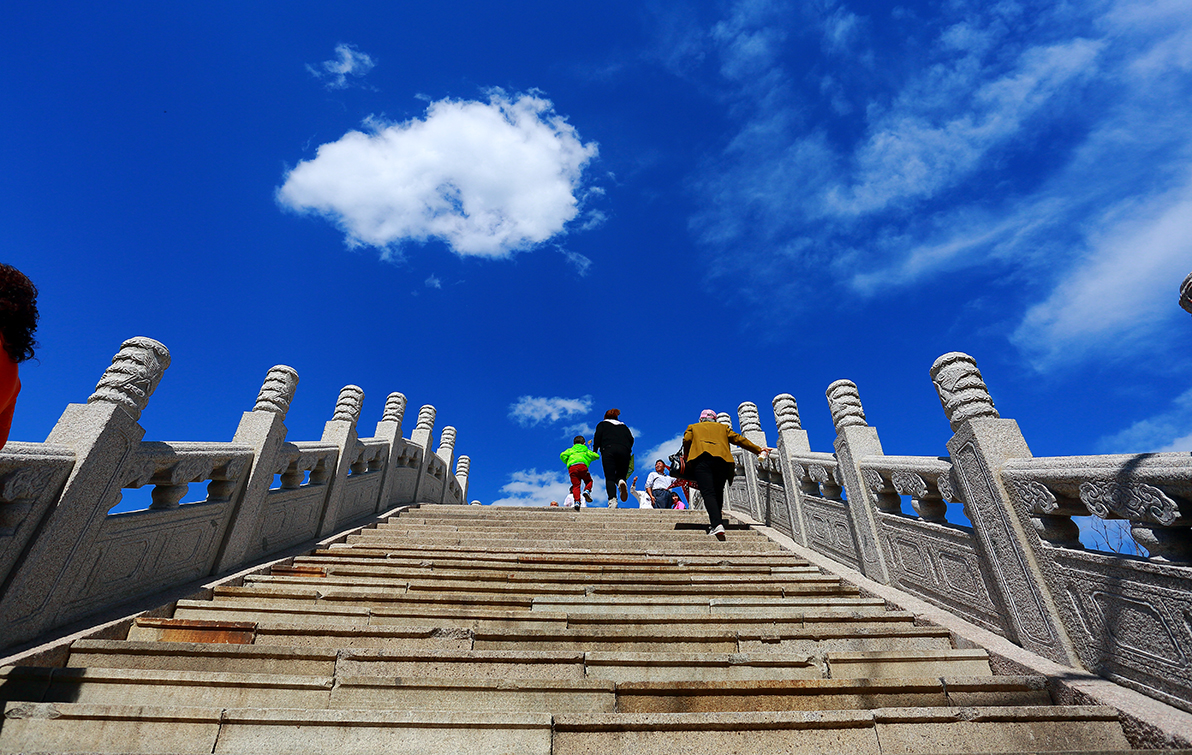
413,554
80,727
883,730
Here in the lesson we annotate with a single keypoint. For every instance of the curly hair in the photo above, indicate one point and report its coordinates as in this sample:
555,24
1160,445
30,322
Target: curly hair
18,313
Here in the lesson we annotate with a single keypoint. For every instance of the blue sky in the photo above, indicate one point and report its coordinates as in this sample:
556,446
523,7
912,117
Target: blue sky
528,213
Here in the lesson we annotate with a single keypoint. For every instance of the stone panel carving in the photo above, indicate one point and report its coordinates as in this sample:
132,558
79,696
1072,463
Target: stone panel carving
1137,502
939,564
31,478
291,516
828,529
1132,620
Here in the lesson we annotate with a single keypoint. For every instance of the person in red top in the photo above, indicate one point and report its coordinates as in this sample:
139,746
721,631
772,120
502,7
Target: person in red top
18,321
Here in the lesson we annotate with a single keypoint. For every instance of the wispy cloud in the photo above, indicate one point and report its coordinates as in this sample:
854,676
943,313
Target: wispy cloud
432,281
581,263
1036,140
486,178
345,69
532,410
1168,431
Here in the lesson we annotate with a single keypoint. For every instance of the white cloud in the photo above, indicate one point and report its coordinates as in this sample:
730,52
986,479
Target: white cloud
533,488
486,178
348,62
532,410
1122,289
581,263
644,459
583,428
432,281
1169,431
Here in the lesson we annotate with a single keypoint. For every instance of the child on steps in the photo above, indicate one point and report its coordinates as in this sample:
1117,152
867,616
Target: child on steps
577,458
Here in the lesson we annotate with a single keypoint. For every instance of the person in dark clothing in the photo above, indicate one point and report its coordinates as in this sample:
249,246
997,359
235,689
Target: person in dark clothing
710,463
614,442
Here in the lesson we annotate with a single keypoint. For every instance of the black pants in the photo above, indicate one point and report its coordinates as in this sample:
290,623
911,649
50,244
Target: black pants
615,460
711,473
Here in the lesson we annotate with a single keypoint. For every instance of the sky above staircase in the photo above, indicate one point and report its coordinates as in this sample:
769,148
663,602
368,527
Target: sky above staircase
528,213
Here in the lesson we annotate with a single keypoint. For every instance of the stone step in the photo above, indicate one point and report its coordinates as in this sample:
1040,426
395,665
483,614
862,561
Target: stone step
80,727
704,545
900,663
883,730
829,694
107,686
413,553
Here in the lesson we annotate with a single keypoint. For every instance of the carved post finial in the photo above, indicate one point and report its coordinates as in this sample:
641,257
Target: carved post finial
844,401
447,440
277,391
426,418
133,375
748,417
786,412
349,404
462,466
724,419
1186,294
962,392
395,408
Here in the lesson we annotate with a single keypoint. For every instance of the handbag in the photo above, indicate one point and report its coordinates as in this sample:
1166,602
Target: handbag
678,468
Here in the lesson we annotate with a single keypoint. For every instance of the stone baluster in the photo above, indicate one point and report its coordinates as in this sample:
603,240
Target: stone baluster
751,428
1008,545
104,435
724,419
389,430
792,440
423,439
1186,294
855,439
462,468
446,452
340,430
263,428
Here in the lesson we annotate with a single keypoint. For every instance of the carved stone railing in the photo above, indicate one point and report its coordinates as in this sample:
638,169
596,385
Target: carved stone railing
64,556
1020,570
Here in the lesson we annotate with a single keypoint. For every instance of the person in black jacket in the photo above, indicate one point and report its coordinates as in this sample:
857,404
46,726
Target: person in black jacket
614,442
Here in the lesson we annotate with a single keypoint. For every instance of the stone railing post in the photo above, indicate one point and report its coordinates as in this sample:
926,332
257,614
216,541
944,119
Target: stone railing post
423,438
725,419
462,468
104,434
854,440
389,430
263,428
341,431
1005,539
792,439
751,428
446,452
1186,294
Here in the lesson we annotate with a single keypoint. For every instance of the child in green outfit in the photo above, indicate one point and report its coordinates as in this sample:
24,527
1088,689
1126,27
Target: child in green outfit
577,458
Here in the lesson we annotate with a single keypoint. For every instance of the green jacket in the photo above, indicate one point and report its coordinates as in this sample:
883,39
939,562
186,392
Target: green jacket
578,454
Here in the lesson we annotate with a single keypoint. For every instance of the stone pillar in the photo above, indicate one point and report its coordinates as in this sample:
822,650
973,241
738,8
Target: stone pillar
792,440
104,435
856,439
389,430
724,419
751,428
423,434
1005,539
1186,294
423,439
446,453
341,431
462,468
264,428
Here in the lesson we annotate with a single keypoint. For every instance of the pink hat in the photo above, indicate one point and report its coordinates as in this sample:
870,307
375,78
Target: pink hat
707,414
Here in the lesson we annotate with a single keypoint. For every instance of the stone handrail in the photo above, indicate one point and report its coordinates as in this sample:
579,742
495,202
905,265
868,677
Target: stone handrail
1020,570
64,556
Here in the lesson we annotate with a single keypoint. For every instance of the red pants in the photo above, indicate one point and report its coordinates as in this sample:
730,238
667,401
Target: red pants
579,473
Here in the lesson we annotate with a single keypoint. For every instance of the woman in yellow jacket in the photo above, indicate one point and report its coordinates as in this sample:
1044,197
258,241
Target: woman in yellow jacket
710,462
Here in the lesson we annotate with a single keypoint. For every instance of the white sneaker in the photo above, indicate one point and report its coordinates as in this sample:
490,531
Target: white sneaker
718,532
588,496
623,489
612,503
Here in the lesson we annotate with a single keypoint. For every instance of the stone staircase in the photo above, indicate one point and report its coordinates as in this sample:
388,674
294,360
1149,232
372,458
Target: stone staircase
479,630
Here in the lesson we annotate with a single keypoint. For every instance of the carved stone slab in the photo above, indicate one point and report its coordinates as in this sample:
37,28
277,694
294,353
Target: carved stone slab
829,530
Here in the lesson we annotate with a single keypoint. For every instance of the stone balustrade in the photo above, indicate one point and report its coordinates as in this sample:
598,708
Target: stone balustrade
64,557
1020,570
